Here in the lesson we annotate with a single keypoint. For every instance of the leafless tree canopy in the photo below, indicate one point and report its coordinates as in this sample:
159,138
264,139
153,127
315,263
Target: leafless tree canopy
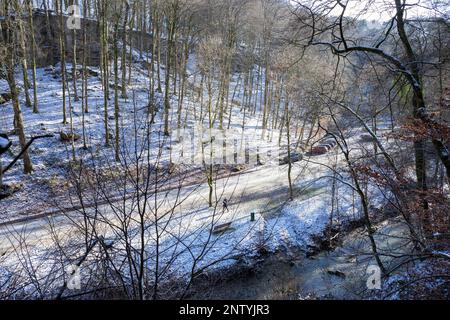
150,149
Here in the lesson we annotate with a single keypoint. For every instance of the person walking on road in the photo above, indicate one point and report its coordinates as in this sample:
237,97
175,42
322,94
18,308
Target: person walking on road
225,205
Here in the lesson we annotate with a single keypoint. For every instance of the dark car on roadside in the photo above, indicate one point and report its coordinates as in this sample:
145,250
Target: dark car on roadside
319,150
295,157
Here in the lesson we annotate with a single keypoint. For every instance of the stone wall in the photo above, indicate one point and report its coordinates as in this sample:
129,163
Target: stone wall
48,52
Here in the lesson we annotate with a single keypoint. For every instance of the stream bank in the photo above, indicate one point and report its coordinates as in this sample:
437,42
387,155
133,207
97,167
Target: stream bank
291,274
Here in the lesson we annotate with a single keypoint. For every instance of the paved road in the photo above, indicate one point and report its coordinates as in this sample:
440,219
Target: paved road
263,189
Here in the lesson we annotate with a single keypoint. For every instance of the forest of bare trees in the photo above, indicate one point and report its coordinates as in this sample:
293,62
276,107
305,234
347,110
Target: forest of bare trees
173,149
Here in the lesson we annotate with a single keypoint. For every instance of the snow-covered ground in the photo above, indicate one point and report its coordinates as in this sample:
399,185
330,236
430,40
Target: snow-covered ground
186,243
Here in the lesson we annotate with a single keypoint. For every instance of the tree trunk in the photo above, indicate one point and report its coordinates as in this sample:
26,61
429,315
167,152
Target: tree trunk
62,50
288,134
116,83
33,54
8,34
124,51
23,52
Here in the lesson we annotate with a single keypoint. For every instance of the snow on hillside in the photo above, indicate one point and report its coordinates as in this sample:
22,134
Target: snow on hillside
4,142
292,224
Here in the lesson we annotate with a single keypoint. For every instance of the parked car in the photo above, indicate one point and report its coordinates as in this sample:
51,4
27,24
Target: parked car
295,157
331,142
366,138
318,150
238,168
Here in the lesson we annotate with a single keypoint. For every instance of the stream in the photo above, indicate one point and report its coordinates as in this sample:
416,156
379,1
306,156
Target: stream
338,274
